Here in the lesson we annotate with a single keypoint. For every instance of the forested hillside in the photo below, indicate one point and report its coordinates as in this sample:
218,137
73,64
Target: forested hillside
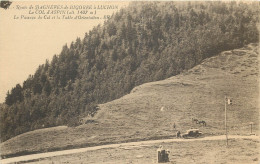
145,42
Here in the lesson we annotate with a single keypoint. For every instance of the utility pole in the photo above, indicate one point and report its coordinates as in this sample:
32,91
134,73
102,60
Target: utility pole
226,120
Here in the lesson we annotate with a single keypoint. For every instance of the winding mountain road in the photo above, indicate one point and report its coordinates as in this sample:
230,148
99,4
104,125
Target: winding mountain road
121,145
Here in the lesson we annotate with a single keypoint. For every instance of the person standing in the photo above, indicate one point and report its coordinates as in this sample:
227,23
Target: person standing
178,134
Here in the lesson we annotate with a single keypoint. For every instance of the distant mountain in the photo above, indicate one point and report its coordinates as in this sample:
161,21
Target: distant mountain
148,41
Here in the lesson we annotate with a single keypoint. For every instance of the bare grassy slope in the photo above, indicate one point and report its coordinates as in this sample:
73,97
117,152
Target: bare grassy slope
198,93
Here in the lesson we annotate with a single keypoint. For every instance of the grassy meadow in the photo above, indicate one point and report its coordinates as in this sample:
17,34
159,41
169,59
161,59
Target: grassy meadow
241,151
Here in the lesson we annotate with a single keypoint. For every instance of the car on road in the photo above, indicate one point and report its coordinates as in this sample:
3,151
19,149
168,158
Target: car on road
192,133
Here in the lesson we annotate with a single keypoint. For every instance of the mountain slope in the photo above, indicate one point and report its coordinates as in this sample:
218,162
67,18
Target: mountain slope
147,41
197,93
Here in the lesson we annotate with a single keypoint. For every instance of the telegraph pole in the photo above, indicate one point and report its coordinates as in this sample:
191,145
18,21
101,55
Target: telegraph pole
226,120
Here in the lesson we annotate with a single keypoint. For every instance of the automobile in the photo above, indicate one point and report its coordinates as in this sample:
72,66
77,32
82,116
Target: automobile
192,133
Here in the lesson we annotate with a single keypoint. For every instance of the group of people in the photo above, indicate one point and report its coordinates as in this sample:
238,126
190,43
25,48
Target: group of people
163,155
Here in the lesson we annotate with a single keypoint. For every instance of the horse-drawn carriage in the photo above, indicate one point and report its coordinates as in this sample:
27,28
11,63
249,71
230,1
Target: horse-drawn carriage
192,133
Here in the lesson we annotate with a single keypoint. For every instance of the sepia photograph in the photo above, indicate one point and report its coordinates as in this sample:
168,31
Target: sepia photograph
129,82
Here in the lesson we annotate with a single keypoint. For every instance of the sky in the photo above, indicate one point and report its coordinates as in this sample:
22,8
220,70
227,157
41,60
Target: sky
25,44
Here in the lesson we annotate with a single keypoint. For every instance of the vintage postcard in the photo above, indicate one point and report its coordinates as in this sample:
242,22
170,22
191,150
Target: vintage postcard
129,82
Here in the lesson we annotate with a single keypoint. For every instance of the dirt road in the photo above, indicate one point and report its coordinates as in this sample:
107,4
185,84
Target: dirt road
141,143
